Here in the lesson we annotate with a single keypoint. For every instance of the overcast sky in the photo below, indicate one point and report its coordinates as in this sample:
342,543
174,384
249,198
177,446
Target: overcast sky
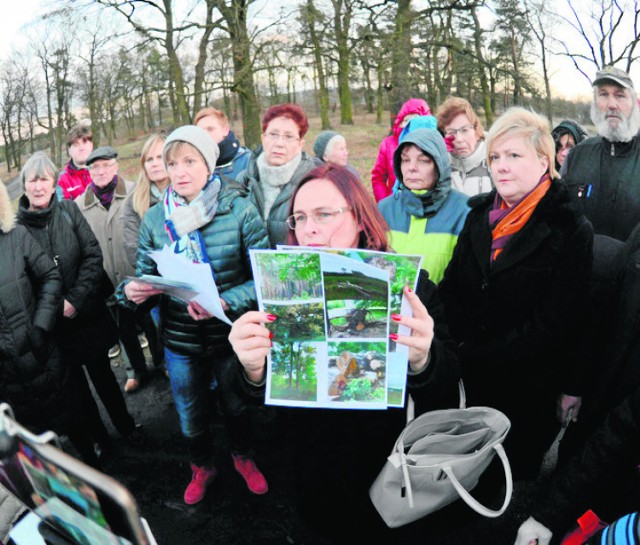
565,79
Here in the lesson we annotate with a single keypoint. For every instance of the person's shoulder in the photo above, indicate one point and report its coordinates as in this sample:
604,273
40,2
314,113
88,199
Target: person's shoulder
586,146
390,202
481,201
458,198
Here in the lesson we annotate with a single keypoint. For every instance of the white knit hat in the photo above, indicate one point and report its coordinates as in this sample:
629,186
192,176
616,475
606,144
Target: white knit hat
199,139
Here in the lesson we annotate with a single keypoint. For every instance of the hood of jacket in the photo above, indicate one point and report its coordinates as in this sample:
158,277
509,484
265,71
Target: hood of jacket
416,106
573,128
7,214
431,142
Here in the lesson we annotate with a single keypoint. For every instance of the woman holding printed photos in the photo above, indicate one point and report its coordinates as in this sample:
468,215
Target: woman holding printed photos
338,453
212,221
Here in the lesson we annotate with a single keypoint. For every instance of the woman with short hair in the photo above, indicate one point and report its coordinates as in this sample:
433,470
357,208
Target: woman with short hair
209,220
464,135
276,167
515,290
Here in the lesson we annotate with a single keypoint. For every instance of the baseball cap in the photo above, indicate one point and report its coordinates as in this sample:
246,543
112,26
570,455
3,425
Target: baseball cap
611,73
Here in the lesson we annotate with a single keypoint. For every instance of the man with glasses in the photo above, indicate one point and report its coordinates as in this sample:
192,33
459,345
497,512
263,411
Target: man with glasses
276,167
102,205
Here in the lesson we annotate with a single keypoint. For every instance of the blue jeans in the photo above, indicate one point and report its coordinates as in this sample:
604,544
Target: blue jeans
192,378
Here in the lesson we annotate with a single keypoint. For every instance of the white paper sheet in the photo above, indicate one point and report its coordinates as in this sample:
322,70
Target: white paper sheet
199,275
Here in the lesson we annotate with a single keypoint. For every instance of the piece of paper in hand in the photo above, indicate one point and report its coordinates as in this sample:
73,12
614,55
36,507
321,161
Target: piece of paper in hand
178,267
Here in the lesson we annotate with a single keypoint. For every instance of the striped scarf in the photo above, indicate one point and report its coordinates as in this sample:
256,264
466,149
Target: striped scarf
183,219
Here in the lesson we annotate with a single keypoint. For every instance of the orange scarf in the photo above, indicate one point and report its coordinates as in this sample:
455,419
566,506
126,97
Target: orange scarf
516,217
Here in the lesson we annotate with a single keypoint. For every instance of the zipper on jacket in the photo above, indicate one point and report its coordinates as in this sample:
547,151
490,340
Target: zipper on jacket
54,256
484,285
613,150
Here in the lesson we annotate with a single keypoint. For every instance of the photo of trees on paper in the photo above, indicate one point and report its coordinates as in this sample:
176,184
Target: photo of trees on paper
357,371
292,276
357,304
294,354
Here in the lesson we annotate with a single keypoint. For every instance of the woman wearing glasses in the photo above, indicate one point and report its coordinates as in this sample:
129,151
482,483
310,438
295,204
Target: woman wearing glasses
425,214
338,453
465,141
276,167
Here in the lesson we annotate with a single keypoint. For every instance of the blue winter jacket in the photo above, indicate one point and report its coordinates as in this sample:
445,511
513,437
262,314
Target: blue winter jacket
426,224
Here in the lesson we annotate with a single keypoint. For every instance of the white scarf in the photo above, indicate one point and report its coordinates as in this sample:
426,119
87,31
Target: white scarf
273,178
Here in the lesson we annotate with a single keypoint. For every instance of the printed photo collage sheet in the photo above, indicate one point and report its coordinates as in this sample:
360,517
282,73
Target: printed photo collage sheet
331,346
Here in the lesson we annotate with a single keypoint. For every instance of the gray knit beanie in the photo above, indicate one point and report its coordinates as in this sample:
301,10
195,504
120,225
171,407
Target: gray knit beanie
322,141
199,139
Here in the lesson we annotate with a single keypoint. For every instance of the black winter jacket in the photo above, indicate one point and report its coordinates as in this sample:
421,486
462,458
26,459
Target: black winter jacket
518,320
64,234
604,176
32,376
338,453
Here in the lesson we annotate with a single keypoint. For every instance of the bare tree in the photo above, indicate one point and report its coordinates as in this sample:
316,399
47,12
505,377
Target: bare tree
607,34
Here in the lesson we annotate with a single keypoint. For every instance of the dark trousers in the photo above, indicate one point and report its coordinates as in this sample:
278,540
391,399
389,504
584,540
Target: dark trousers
128,334
106,386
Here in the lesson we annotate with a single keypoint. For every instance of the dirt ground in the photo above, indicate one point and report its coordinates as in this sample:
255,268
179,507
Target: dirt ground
157,474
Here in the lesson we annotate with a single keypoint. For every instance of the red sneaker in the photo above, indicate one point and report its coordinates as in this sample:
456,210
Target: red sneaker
250,473
200,479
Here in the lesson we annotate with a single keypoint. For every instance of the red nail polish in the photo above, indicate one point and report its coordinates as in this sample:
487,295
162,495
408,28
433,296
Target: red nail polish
396,317
393,336
271,317
409,290
271,334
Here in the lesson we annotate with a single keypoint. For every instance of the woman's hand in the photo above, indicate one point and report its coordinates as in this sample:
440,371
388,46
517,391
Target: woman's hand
139,292
251,341
568,409
421,324
197,312
69,310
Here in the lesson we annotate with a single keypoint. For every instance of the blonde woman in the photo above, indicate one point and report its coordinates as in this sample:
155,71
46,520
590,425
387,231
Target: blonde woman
152,181
151,184
515,290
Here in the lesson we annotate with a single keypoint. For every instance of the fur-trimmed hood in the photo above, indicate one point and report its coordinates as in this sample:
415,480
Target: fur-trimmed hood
7,214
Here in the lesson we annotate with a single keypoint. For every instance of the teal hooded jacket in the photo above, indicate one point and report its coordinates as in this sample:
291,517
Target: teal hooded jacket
426,223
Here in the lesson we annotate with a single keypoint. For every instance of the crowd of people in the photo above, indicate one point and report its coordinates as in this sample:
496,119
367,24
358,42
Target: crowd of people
528,293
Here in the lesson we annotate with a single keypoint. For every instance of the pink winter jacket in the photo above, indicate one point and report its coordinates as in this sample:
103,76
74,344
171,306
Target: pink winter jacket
382,175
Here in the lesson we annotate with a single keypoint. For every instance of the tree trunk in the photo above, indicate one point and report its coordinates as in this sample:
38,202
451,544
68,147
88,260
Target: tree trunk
175,68
235,15
323,93
484,85
342,26
203,45
401,58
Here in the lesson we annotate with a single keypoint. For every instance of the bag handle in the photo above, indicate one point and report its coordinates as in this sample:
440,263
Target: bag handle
475,504
411,406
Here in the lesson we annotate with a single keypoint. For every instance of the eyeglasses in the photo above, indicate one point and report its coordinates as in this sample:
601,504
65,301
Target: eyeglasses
95,167
286,138
319,216
464,131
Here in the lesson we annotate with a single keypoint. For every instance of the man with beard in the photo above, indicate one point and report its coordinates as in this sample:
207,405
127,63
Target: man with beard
603,172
